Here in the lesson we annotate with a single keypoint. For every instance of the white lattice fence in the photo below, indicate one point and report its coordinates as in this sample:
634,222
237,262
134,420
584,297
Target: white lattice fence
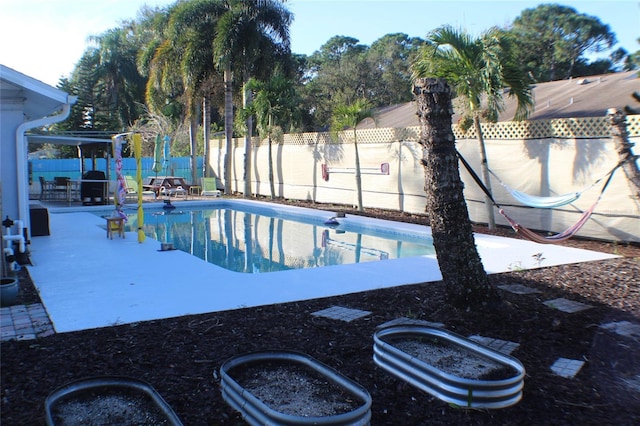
633,125
564,128
306,138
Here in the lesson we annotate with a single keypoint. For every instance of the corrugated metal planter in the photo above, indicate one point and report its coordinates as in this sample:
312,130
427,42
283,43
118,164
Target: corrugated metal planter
450,367
106,401
291,388
8,291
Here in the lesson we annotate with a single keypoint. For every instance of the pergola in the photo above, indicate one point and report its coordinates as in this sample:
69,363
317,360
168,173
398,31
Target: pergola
88,146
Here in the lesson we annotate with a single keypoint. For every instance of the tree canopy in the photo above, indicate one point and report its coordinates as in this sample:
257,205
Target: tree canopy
552,39
179,56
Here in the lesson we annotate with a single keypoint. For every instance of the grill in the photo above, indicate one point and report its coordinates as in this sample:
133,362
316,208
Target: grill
93,192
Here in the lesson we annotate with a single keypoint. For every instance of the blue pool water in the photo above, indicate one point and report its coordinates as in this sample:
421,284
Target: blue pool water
255,240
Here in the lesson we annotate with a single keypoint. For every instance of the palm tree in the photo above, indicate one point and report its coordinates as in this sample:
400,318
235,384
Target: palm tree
348,116
119,86
185,60
246,32
476,69
275,106
462,270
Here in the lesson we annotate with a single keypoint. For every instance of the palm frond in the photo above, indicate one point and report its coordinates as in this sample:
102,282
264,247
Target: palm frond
475,68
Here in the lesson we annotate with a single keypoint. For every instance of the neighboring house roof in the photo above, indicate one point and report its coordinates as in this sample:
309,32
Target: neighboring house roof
43,154
581,97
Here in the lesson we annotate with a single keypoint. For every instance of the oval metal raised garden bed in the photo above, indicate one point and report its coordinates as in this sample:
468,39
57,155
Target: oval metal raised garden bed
257,411
108,400
500,387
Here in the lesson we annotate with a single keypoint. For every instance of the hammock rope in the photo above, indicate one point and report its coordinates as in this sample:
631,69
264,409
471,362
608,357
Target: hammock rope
529,234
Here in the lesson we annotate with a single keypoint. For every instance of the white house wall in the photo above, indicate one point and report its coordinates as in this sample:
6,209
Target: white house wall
25,104
11,116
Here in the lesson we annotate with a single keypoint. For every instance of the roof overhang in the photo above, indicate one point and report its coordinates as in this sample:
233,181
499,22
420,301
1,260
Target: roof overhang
65,140
39,99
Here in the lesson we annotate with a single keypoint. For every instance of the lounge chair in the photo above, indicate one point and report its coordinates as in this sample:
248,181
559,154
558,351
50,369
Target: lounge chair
177,191
210,187
132,188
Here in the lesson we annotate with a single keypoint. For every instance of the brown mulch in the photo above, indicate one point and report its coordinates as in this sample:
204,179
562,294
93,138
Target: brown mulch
181,357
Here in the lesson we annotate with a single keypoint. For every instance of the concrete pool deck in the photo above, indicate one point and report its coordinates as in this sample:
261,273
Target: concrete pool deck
86,280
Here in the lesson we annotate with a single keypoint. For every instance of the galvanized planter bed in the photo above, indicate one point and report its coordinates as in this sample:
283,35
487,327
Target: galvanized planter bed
291,388
108,400
450,367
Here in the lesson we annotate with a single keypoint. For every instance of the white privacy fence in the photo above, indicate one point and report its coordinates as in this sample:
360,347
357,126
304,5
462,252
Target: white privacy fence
544,158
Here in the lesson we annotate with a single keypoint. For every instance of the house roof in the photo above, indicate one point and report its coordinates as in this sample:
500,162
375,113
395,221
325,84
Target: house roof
39,98
573,98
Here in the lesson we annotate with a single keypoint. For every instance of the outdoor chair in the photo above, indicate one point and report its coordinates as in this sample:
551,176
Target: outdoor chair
60,187
177,191
210,187
46,189
132,188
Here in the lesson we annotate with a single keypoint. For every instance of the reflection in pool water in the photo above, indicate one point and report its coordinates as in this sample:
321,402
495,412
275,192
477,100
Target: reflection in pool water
257,242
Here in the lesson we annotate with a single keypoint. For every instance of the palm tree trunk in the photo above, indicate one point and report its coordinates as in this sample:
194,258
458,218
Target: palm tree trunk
193,128
358,174
491,220
620,135
228,127
246,101
272,186
206,127
462,271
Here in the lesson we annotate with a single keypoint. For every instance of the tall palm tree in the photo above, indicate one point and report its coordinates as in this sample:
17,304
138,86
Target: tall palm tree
245,32
347,116
462,270
187,55
165,90
276,107
476,68
154,61
119,84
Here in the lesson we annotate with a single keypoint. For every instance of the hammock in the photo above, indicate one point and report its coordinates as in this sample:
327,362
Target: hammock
527,233
542,202
559,237
546,202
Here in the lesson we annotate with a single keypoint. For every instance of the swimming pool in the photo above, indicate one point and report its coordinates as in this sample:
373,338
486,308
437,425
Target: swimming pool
254,239
86,280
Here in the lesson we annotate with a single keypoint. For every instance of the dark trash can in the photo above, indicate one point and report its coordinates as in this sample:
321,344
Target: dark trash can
39,217
93,192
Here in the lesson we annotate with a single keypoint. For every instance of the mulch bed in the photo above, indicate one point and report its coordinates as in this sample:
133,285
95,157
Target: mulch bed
181,357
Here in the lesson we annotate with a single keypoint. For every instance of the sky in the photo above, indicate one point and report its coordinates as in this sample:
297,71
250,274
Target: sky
44,39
